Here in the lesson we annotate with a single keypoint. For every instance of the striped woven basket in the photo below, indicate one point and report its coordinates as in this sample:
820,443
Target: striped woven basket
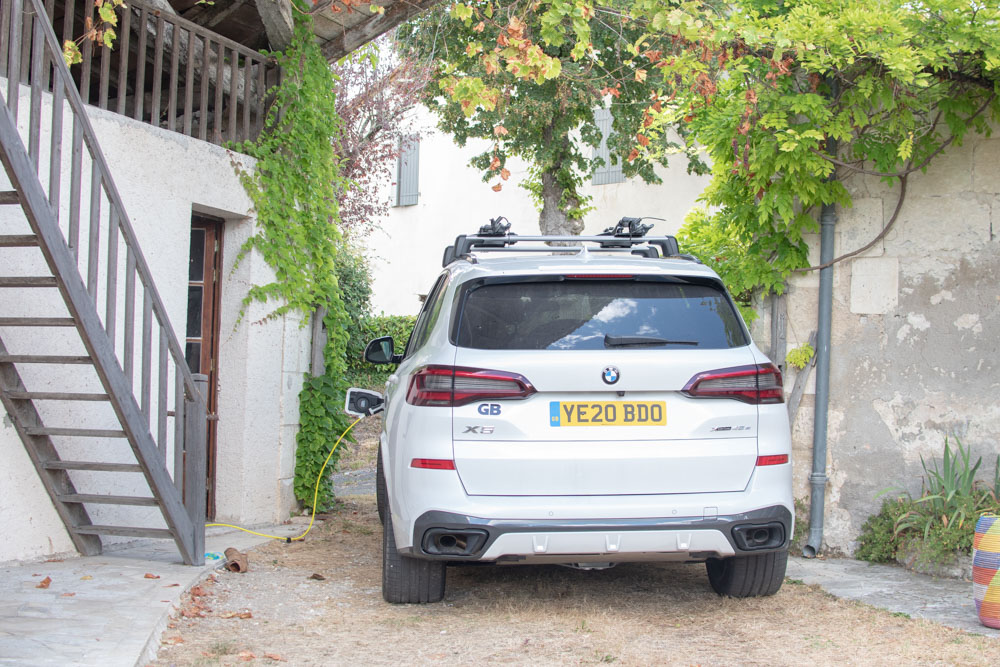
986,570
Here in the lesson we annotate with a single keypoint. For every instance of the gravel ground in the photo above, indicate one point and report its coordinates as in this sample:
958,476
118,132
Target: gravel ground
318,602
359,482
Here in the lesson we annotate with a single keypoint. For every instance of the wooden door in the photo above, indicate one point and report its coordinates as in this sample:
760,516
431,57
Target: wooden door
202,334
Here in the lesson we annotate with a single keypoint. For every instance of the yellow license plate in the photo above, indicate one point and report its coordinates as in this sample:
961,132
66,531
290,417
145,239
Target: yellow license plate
607,413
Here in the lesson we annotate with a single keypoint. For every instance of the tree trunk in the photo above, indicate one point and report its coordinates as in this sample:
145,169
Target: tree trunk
553,219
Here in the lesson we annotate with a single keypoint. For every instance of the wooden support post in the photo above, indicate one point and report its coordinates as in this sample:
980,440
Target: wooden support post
318,362
779,331
799,388
195,462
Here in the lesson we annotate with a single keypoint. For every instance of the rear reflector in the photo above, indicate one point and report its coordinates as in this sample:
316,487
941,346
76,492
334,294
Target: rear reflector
433,464
772,460
449,386
760,383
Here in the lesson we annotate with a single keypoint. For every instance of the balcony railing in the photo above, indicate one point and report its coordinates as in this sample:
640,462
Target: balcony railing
166,71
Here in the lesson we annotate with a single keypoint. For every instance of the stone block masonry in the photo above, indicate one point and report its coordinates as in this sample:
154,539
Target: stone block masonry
916,325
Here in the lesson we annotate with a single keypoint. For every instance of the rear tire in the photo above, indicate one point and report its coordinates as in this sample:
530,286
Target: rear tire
748,576
380,491
408,580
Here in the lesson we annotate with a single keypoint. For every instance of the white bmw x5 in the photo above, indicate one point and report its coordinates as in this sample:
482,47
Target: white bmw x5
583,406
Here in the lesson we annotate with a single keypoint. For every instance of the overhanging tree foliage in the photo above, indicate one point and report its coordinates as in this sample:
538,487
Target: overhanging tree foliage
503,74
374,93
764,85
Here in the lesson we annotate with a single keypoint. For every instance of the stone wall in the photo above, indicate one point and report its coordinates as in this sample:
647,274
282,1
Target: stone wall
916,330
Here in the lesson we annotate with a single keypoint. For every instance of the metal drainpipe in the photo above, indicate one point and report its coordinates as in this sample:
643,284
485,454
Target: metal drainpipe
817,480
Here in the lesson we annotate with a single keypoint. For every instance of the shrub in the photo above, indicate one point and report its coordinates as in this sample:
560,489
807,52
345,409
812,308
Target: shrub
941,522
355,279
354,276
359,372
878,542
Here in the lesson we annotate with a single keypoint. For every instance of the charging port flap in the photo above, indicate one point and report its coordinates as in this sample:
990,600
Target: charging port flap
363,403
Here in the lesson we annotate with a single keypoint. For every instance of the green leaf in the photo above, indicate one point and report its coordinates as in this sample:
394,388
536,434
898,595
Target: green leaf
107,13
461,12
71,53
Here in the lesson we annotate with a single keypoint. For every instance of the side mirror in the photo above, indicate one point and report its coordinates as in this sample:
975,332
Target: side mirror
363,403
381,351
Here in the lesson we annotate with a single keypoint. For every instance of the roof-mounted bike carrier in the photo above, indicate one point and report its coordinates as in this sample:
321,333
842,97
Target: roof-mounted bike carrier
629,232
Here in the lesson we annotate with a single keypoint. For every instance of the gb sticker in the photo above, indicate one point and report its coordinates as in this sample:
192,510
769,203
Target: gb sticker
489,409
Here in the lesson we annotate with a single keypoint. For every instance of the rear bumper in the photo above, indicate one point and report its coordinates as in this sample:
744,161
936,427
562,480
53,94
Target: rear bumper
450,536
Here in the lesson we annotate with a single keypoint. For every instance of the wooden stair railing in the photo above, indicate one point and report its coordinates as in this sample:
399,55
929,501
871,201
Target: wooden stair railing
76,399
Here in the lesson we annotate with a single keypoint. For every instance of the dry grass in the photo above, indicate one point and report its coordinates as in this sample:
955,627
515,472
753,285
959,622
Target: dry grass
630,615
362,452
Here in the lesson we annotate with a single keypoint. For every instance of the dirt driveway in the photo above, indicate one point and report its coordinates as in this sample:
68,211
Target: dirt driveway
630,615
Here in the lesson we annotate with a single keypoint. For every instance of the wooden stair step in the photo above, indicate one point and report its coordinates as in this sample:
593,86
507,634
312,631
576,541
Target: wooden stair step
125,531
55,396
18,241
44,359
8,197
96,466
79,432
28,281
37,322
107,500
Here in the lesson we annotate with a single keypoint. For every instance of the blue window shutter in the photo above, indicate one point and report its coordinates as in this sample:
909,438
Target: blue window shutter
609,173
408,172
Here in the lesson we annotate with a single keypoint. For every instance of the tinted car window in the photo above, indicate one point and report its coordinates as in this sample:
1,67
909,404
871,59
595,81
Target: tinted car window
579,314
427,317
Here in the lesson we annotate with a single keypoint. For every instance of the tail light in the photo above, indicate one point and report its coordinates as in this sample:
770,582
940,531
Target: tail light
433,464
757,384
451,386
772,460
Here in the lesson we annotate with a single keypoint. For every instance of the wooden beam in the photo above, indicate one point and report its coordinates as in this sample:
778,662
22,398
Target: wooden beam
799,388
276,15
376,25
211,15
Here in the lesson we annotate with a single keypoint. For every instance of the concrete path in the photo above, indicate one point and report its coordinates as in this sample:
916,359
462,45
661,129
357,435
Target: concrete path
354,482
105,611
945,601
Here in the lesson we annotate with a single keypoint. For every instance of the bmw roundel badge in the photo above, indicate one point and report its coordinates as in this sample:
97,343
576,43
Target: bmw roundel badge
610,375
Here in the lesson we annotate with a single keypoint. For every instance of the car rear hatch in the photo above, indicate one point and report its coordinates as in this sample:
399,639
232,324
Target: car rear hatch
567,387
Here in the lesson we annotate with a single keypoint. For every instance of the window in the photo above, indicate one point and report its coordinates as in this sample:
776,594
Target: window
428,316
579,314
407,171
609,173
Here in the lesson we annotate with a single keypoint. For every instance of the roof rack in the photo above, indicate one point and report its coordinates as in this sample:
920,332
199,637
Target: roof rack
625,236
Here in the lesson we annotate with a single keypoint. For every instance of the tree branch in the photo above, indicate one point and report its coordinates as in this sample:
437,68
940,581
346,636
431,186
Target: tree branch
881,235
910,170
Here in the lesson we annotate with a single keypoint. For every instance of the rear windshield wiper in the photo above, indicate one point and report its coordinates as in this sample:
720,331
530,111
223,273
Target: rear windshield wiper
631,341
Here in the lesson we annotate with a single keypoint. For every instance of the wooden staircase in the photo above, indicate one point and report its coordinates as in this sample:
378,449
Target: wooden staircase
91,372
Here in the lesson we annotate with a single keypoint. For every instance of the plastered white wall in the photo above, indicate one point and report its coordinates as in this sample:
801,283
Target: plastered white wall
406,248
163,177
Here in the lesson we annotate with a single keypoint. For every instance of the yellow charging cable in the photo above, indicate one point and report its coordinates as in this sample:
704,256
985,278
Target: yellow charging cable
315,496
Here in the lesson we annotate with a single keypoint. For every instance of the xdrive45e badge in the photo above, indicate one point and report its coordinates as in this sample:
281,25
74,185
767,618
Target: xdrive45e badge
610,375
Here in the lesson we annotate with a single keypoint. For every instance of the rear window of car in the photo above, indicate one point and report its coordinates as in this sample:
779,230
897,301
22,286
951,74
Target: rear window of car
595,315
